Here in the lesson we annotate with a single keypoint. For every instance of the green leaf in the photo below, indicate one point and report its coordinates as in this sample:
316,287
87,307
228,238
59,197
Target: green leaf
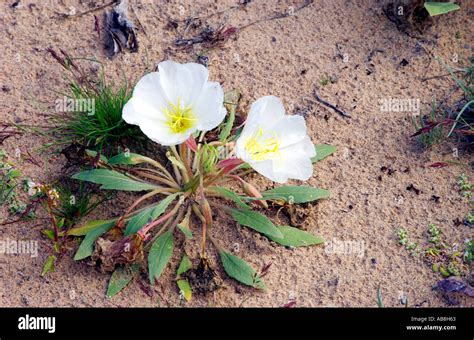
437,8
240,270
148,214
159,255
92,153
257,222
379,298
14,173
186,231
296,194
127,158
89,226
294,237
184,266
322,151
48,265
231,101
49,233
229,194
185,288
113,180
87,246
120,278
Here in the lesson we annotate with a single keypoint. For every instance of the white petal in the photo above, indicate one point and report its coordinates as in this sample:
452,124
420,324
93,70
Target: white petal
264,113
182,81
265,168
302,149
209,109
295,160
267,110
149,89
152,122
300,168
290,130
137,110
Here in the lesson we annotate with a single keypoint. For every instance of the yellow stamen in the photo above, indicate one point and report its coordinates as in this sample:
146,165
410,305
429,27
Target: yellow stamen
261,147
179,119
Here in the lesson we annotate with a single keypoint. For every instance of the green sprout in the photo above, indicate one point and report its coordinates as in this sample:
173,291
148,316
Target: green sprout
98,125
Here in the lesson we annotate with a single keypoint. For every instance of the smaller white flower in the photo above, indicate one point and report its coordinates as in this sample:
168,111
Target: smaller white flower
275,144
171,104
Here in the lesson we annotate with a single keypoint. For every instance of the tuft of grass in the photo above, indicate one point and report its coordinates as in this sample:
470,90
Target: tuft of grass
105,126
76,203
101,127
459,117
432,130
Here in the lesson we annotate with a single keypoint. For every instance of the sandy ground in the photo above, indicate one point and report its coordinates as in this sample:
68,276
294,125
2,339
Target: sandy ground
286,58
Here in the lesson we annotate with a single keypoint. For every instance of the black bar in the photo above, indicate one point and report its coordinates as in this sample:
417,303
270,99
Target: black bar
290,323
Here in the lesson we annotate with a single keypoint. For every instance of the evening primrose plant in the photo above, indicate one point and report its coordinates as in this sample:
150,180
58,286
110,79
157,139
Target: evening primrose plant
179,108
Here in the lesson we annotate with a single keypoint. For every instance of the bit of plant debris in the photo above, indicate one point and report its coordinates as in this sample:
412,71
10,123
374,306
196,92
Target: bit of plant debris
109,254
387,169
215,37
119,31
203,279
411,187
318,99
450,286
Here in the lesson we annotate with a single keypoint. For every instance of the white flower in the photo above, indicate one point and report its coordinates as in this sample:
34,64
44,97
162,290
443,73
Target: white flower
274,144
171,104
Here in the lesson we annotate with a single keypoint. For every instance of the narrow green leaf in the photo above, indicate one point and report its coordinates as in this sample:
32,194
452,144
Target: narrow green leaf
151,213
159,255
294,237
89,226
186,231
185,289
322,151
296,194
379,298
120,278
240,270
229,194
113,180
437,8
184,266
87,246
48,265
127,158
257,222
231,101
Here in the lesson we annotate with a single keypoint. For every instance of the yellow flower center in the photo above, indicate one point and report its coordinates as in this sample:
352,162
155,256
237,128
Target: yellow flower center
261,147
180,119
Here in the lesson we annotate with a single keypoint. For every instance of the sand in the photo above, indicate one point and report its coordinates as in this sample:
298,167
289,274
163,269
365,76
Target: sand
287,58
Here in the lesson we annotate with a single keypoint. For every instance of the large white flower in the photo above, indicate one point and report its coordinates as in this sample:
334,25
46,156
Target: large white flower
275,144
171,104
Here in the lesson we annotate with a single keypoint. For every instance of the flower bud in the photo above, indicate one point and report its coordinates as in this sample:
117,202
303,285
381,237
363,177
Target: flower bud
250,190
206,211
